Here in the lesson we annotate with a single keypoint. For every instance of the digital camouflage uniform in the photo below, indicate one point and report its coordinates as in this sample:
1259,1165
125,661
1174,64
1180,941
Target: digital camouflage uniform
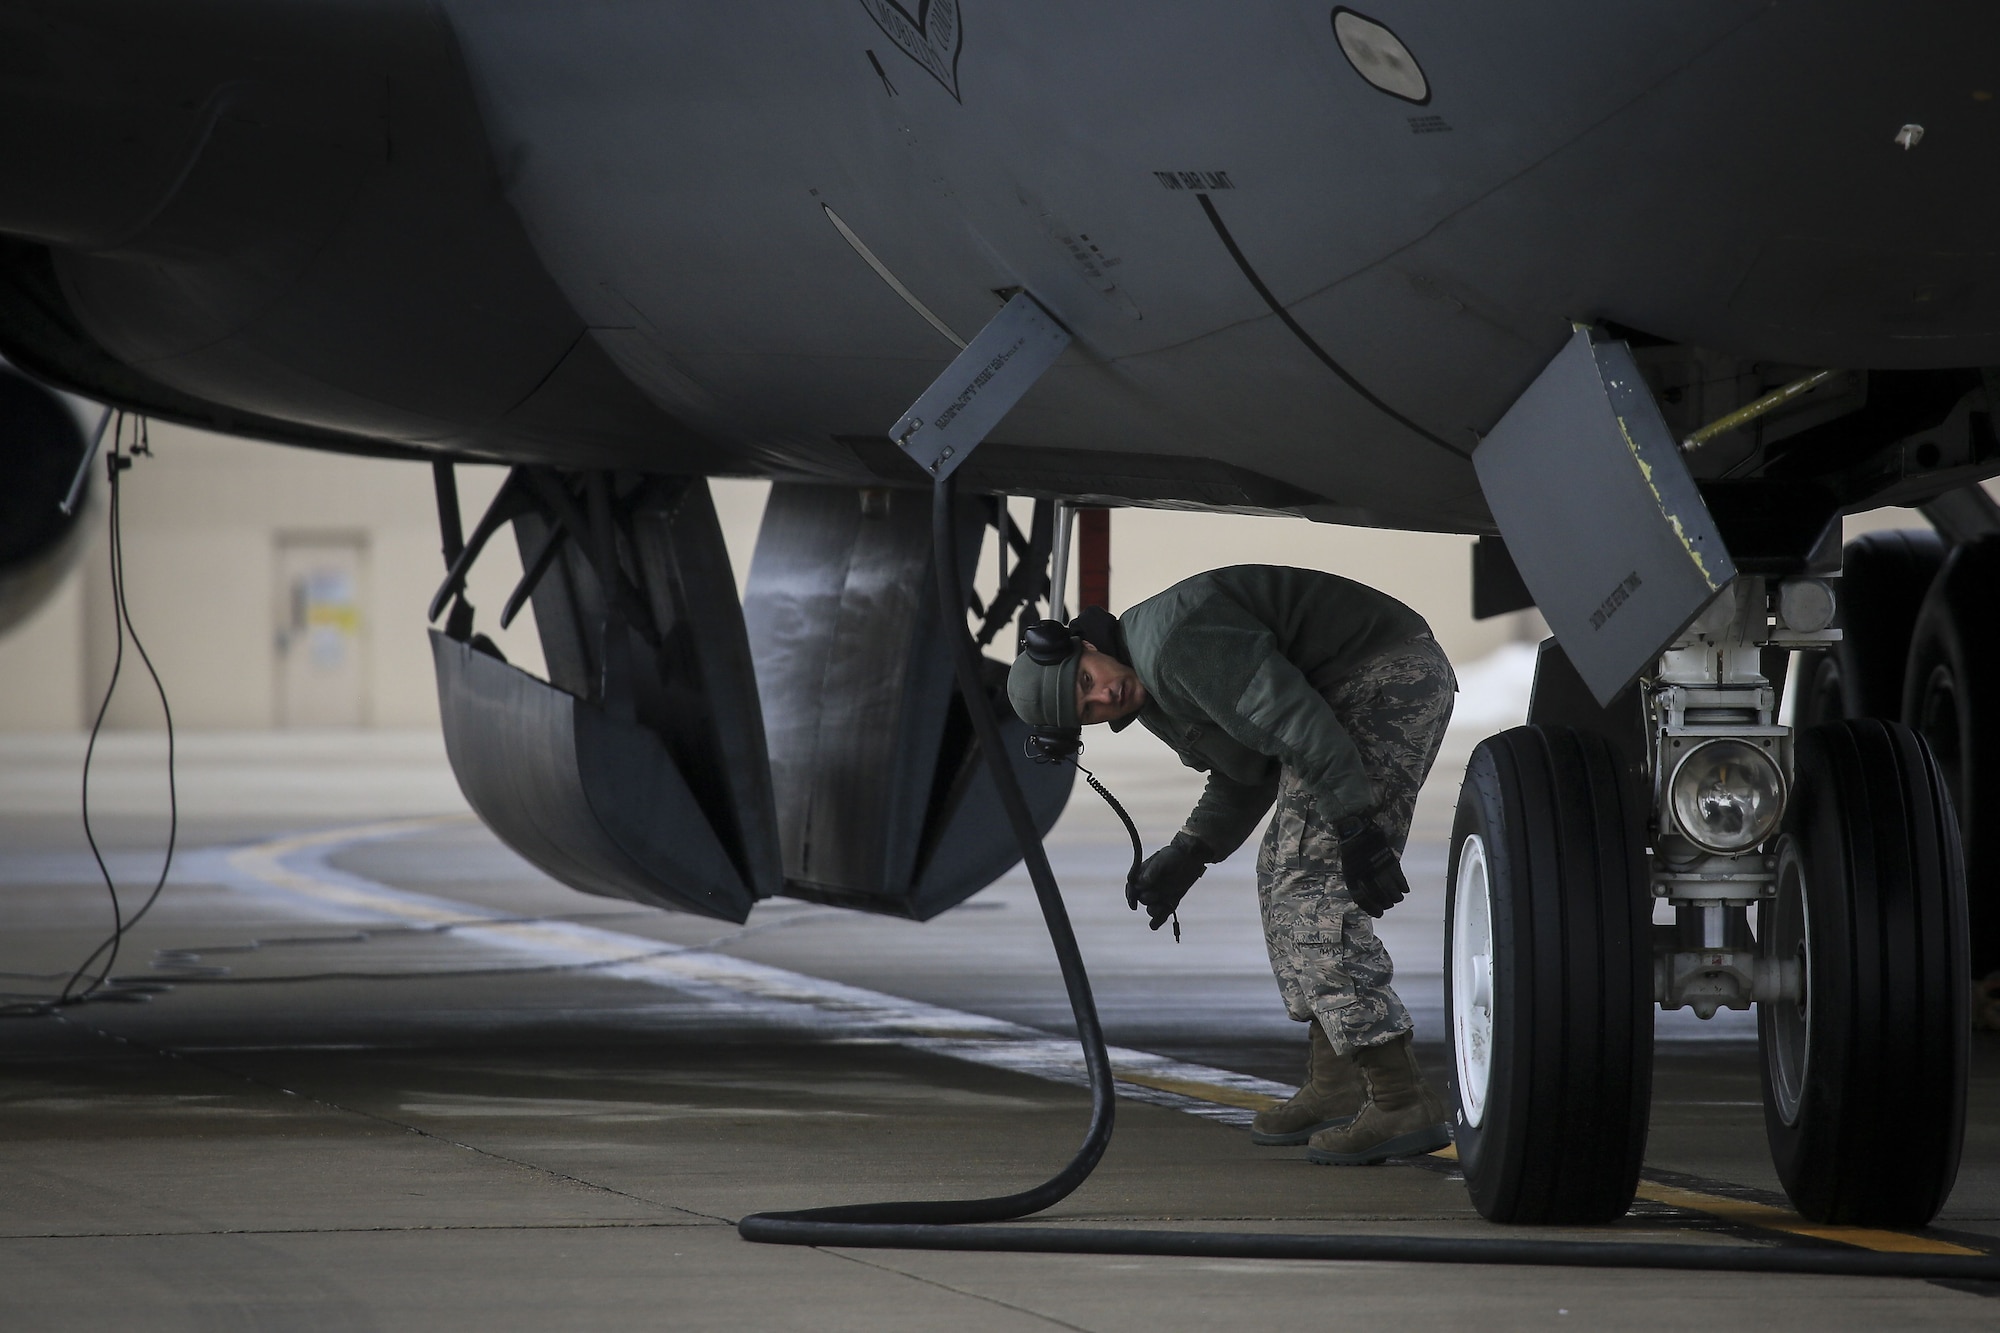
1324,952
1329,697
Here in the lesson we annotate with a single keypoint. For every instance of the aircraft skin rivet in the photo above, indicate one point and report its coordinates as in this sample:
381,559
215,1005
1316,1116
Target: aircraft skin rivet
1909,137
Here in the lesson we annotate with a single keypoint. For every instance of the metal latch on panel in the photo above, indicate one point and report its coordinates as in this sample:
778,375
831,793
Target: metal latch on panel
995,370
1600,513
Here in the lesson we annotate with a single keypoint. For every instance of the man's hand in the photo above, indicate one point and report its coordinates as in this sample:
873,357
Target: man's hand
1165,877
1374,874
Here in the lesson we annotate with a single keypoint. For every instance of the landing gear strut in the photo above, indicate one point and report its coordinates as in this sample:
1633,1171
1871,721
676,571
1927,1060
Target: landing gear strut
1824,887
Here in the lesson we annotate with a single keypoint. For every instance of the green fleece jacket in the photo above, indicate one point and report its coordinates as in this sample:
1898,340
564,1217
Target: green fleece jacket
1236,661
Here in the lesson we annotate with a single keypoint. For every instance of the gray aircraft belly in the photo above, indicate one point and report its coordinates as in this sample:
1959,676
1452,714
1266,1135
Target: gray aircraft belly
674,165
1289,288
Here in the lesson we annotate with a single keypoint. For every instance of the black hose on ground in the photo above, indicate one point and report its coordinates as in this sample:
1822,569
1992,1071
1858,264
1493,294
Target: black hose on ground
1513,1253
948,1225
825,1226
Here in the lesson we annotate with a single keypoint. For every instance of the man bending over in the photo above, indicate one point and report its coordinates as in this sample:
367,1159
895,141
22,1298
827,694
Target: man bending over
1331,699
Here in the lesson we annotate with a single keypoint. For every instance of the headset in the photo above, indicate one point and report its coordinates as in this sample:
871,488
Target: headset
1051,643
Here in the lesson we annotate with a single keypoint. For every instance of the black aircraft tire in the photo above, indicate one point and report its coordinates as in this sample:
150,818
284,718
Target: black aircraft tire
1553,1050
1864,1077
1821,694
1951,696
1883,579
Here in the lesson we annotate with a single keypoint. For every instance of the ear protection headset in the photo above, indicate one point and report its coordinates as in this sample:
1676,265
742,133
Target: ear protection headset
1051,643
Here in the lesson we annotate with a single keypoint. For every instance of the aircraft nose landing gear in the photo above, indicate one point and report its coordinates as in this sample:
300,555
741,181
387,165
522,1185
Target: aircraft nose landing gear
1844,847
1547,982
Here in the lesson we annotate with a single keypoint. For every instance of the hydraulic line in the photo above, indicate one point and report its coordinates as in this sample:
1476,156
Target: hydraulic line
950,1225
1749,412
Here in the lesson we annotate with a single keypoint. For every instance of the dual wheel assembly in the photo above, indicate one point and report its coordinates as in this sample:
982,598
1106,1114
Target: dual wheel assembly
1550,991
1920,644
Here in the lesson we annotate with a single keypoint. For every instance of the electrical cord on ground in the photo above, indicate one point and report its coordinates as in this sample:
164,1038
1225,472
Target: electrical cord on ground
953,1224
83,987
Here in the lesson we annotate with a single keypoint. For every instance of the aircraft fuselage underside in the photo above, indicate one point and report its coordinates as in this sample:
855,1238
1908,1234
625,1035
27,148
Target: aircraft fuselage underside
634,235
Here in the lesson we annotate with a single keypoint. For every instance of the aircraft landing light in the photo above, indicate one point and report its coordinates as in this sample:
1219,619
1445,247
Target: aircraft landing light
1380,57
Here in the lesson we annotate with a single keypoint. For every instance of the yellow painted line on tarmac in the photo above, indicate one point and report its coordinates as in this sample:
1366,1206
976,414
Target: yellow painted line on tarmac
1207,1092
1768,1218
1743,1212
265,861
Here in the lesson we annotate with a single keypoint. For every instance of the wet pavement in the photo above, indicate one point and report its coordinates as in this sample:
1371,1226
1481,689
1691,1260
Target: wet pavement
370,1070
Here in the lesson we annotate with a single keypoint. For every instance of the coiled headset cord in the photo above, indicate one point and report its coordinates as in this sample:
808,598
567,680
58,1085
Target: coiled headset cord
1131,829
952,1224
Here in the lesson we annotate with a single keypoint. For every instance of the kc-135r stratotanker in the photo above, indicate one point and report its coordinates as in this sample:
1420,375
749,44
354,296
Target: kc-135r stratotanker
1648,295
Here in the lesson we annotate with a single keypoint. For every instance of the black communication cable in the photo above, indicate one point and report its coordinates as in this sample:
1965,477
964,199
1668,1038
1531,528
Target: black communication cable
82,987
953,1225
1131,829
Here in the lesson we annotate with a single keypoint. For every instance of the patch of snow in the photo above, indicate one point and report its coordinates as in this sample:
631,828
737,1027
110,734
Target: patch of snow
1493,691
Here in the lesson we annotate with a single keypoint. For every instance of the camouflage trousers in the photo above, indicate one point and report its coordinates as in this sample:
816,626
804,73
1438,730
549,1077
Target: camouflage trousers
1324,951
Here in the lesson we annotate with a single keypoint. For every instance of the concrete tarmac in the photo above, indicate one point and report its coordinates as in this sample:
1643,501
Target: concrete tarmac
370,1070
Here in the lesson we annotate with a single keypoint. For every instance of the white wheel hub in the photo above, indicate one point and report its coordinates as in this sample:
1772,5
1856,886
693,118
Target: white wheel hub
1472,978
1788,1034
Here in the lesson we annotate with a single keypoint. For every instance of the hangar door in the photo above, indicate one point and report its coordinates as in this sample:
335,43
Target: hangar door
322,676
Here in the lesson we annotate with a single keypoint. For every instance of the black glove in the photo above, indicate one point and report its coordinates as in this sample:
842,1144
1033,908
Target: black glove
1165,877
1374,874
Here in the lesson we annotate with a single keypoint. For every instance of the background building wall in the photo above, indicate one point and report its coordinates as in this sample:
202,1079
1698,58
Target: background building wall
203,522
204,519
42,668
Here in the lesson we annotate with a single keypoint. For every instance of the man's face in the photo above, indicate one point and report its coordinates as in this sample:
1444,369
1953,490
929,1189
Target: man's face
1106,689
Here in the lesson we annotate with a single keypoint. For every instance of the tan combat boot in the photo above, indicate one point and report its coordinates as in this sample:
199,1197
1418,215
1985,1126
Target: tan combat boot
1333,1093
1403,1117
